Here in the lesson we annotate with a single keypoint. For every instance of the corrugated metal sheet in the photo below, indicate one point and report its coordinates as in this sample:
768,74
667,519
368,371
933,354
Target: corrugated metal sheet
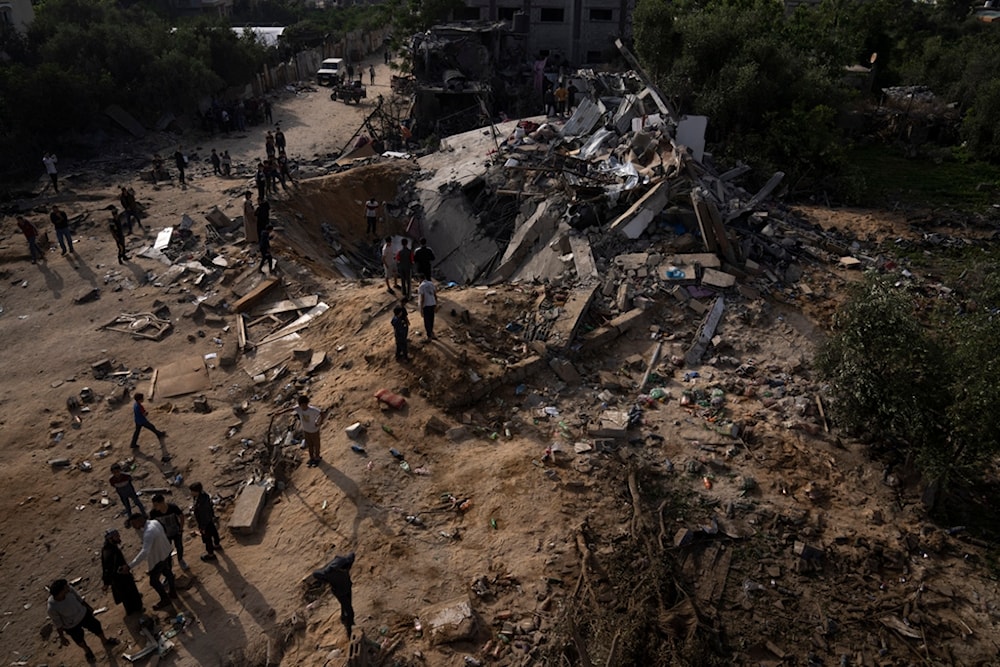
586,117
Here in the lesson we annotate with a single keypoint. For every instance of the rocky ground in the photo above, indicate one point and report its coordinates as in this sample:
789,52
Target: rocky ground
730,524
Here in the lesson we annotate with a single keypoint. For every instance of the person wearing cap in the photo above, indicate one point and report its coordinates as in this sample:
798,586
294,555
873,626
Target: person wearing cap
118,232
71,615
116,575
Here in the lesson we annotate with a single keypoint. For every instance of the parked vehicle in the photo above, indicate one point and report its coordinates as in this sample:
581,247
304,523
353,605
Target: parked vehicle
330,71
354,91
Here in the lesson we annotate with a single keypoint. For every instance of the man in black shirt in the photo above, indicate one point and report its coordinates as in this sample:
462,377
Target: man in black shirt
423,257
61,222
172,518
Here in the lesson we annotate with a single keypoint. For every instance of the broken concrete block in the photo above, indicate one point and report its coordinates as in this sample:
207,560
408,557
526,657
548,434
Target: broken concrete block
716,278
87,296
355,430
850,262
316,362
632,261
697,306
609,380
201,405
626,321
449,621
435,425
101,369
565,370
683,537
457,433
218,218
807,552
611,424
249,505
230,351
621,298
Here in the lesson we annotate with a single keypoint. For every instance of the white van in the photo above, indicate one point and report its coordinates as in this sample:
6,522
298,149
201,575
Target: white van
330,71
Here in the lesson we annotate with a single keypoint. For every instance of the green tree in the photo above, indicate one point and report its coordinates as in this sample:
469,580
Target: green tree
886,371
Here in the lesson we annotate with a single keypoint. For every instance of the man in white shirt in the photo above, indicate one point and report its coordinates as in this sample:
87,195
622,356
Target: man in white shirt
310,420
389,263
371,214
156,550
428,303
50,160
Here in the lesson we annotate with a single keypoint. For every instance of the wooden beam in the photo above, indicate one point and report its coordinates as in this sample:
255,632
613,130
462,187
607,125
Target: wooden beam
253,297
289,304
241,331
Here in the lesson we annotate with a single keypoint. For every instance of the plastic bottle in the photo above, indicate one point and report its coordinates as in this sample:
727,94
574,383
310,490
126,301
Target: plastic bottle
395,454
358,449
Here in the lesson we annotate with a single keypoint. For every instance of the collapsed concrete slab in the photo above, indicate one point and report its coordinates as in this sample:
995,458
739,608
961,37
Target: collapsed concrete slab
633,222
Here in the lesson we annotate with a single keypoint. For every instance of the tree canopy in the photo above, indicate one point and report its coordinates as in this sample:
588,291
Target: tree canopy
773,83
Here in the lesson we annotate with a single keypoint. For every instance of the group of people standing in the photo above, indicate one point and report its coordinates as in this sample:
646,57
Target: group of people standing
162,534
399,265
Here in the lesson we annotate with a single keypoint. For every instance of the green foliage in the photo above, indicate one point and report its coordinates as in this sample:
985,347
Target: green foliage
888,177
884,368
934,395
979,127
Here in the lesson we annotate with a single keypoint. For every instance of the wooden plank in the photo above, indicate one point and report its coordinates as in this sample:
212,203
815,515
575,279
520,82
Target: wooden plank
152,384
704,222
299,324
720,233
705,333
241,331
254,296
300,303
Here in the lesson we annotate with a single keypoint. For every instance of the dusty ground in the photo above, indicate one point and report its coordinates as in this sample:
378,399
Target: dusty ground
519,541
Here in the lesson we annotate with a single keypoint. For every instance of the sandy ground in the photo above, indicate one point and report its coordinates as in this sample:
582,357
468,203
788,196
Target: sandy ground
518,535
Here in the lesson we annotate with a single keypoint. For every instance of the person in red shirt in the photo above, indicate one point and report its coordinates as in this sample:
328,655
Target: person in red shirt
31,233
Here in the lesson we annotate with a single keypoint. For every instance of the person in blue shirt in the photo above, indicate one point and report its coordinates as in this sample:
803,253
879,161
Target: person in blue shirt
142,421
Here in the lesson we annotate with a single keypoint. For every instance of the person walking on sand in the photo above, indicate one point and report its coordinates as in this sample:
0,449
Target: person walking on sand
400,329
130,209
204,516
122,484
117,232
60,221
249,218
371,214
50,160
31,234
172,518
371,74
428,303
389,264
216,163
279,139
310,420
227,164
71,615
139,414
116,575
155,551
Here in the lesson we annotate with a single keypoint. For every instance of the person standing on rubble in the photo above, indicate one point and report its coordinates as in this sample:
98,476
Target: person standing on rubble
428,303
116,575
404,267
571,92
142,421
121,482
264,245
400,330
389,264
279,139
117,232
180,161
310,421
31,234
156,551
71,615
260,180
371,74
172,518
561,94
371,214
204,516
249,218
227,163
60,221
50,160
424,258
216,163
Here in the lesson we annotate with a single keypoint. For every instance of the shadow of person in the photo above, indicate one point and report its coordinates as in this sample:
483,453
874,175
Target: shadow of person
365,508
53,279
84,271
200,641
245,593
